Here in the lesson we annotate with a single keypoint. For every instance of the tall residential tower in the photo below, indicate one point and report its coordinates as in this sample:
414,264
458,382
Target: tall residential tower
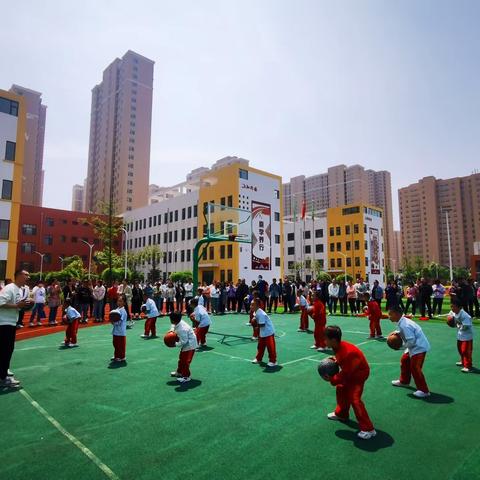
120,130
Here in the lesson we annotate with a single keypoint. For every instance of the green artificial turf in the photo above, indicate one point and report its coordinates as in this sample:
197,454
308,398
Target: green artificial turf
234,420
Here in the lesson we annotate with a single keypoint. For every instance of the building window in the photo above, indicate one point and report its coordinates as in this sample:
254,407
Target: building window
306,234
175,236
48,240
4,229
211,252
222,201
184,212
332,263
332,231
222,251
229,251
277,261
230,201
290,265
9,107
337,231
28,247
319,233
195,233
355,228
348,246
308,249
357,245
176,215
332,247
276,216
339,246
291,251
339,263
277,239
229,276
188,255
347,229
7,189
243,173
47,258
189,233
183,234
195,211
357,261
189,212
49,222
29,229
10,151
277,195
319,248
349,262
290,237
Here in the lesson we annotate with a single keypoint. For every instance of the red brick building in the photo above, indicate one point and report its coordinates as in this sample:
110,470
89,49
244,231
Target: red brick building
55,233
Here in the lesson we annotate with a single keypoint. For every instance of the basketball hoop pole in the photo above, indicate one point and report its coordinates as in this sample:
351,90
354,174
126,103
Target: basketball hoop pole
196,257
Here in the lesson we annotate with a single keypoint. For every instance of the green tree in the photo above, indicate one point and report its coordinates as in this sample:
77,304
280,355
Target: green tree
324,276
151,255
181,276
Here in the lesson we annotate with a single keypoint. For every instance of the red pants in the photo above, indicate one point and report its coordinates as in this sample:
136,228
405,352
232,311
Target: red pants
375,328
465,349
201,334
269,343
150,326
304,319
184,360
119,346
71,332
319,335
351,396
412,367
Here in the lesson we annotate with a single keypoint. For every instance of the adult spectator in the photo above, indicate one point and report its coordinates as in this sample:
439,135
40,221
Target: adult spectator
179,296
412,292
84,295
231,298
54,299
242,292
188,287
467,295
377,293
98,301
333,297
137,300
287,295
425,292
25,294
391,295
352,298
39,295
274,291
438,295
10,303
112,296
125,290
360,290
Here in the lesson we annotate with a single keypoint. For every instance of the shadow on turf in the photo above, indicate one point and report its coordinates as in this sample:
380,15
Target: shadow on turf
382,440
6,390
438,398
115,365
183,387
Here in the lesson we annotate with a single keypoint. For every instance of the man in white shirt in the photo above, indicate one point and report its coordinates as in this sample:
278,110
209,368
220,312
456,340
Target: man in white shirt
187,342
266,336
98,299
417,346
10,303
25,294
188,290
333,296
39,294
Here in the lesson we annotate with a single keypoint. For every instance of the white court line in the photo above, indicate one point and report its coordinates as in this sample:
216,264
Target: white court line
297,360
104,468
354,331
228,356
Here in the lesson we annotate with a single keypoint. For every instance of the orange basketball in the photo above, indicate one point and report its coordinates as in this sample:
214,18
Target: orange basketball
451,322
170,339
394,341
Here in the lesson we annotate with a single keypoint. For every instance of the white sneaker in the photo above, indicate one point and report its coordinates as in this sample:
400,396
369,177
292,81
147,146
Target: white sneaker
248,324
466,370
459,364
376,336
254,339
254,360
10,382
366,435
332,416
420,394
272,364
183,379
31,324
143,336
72,345
398,383
9,373
313,347
174,374
301,330
322,349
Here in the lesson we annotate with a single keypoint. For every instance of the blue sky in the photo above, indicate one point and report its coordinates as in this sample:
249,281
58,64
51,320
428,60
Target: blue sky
293,86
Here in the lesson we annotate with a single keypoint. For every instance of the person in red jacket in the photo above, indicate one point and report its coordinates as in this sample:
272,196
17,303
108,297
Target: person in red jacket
318,312
349,382
374,315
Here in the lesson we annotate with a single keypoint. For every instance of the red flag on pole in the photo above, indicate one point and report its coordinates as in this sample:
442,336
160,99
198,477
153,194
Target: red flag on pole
304,209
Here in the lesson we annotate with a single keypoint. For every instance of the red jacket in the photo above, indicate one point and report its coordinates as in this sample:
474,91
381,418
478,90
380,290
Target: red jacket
353,365
374,312
319,314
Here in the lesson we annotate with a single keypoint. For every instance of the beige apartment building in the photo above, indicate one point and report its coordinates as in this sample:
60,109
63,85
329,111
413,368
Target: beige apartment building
120,132
78,198
33,173
342,185
424,208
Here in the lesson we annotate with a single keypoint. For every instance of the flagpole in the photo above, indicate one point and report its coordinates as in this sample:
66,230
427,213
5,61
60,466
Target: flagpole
313,241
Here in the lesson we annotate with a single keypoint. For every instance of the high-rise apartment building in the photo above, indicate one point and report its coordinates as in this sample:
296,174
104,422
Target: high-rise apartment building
120,131
340,186
33,173
12,141
78,193
426,206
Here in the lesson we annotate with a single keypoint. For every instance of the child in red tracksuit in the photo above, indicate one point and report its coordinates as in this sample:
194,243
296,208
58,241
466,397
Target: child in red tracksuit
187,342
374,315
73,317
349,382
303,312
319,314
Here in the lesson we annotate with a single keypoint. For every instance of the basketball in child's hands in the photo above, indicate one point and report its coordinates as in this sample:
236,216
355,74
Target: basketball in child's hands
192,317
114,317
451,321
394,341
170,339
328,367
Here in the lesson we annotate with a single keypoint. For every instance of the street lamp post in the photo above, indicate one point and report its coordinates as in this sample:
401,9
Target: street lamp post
41,262
345,257
61,262
125,250
90,245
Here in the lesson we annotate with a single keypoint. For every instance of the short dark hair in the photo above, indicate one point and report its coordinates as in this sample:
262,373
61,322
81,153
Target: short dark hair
396,309
18,272
194,302
175,317
333,332
456,302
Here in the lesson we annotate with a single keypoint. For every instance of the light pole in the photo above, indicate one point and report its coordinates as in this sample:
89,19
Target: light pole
41,262
125,250
90,245
345,257
61,262
449,247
